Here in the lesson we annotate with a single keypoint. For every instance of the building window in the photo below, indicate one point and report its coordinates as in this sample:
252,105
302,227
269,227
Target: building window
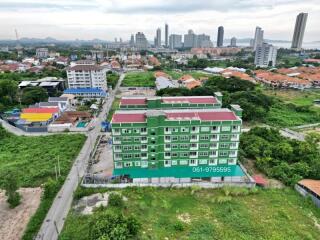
232,153
174,154
167,138
174,146
117,156
214,137
193,154
128,164
204,137
202,161
223,153
118,165
167,154
213,145
205,129
184,138
184,146
167,163
144,147
235,137
137,139
137,164
225,129
194,137
224,145
174,138
204,145
184,154
193,162
224,137
144,155
214,129
137,147
213,162
117,148
143,130
223,161
144,164
233,145
184,129
137,155
213,153
135,130
203,154
235,128
183,162
126,131
231,161
126,139
144,139
127,148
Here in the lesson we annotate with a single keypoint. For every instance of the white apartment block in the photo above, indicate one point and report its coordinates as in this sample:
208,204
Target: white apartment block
266,55
42,52
86,74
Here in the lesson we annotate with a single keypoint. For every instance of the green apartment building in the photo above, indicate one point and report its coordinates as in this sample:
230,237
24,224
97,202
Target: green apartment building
178,142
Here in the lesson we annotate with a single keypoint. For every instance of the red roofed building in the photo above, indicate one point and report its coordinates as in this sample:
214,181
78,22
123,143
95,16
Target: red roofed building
134,102
172,138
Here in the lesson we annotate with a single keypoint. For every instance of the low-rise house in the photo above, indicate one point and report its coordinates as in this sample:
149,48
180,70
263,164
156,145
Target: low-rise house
86,92
62,102
309,188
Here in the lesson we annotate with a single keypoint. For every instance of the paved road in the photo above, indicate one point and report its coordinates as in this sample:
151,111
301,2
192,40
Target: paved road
54,221
18,131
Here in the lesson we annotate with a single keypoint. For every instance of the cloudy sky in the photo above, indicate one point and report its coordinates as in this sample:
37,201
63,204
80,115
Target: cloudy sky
107,19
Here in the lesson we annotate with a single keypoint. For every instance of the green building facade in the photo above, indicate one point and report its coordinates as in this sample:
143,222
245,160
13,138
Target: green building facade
171,144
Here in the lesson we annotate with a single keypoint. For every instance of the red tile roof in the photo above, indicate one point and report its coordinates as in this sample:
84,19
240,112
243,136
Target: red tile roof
135,117
133,101
128,118
312,185
208,100
40,110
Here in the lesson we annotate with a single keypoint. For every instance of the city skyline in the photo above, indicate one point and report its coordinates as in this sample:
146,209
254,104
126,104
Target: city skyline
106,20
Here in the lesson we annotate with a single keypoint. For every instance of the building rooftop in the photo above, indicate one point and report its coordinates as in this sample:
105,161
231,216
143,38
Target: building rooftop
312,185
139,116
40,110
136,100
57,99
84,90
85,68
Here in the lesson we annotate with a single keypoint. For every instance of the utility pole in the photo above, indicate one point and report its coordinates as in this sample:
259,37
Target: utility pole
55,169
59,166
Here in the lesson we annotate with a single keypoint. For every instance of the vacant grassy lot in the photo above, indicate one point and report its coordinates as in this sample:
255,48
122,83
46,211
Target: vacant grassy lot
114,107
300,98
210,214
176,75
33,158
139,79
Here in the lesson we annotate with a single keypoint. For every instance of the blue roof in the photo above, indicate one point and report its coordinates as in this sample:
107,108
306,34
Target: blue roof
84,90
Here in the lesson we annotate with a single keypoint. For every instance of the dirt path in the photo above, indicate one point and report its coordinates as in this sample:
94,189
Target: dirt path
14,221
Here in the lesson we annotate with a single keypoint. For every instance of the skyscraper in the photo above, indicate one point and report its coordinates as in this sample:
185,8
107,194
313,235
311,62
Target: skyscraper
258,38
190,39
175,41
220,36
299,29
158,38
132,41
203,41
233,42
266,55
141,41
166,35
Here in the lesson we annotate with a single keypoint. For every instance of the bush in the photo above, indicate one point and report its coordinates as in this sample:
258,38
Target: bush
178,226
115,200
14,199
107,225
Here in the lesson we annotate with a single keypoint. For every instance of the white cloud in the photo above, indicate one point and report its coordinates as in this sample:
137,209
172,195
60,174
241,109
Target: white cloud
107,19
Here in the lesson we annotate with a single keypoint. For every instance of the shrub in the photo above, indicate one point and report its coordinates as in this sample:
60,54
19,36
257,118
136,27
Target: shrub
14,199
115,200
178,226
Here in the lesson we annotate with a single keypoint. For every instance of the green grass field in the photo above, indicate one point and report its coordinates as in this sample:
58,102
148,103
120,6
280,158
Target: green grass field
114,107
32,159
196,214
282,115
300,98
139,79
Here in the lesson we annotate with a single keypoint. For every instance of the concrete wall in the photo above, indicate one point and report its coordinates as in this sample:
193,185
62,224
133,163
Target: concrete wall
304,193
